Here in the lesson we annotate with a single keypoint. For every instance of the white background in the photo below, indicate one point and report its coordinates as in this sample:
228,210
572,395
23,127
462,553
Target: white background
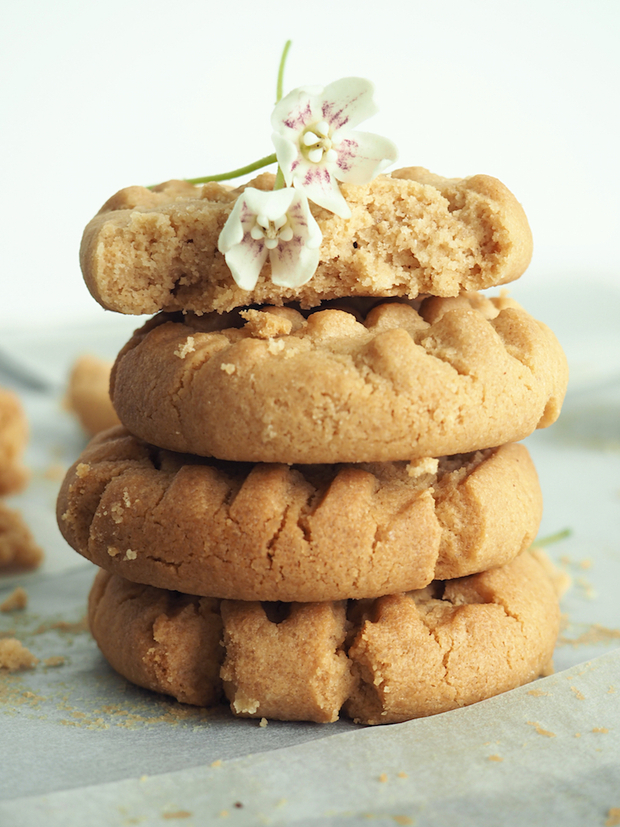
98,96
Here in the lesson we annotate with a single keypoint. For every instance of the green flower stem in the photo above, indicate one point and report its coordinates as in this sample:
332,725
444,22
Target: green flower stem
279,87
235,173
279,182
550,539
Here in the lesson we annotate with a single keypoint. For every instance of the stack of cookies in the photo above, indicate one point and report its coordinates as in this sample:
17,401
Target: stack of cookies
315,502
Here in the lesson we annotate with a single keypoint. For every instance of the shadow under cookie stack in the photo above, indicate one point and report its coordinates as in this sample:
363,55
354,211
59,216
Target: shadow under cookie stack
317,504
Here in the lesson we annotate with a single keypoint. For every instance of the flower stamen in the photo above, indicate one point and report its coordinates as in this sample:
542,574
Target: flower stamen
273,231
316,143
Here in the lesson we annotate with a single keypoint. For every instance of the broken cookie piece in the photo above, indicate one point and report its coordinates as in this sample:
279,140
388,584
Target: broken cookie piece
13,437
18,549
14,656
88,394
410,233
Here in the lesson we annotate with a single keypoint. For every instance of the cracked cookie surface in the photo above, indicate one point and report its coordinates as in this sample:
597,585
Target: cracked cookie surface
410,233
391,659
301,533
454,376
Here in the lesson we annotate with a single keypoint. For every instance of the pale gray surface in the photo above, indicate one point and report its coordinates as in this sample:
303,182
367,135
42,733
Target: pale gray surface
516,759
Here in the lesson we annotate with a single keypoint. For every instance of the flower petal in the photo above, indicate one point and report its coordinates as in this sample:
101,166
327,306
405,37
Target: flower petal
293,263
319,184
296,110
347,102
233,231
246,260
302,221
362,156
287,154
273,204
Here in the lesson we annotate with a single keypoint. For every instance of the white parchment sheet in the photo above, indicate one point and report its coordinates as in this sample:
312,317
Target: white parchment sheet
80,746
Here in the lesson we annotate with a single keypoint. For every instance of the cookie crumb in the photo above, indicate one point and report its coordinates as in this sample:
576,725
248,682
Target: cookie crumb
275,346
613,817
117,512
17,546
177,814
495,758
217,763
383,777
263,722
579,695
425,465
269,433
187,347
14,656
404,820
587,587
600,729
264,325
402,775
18,599
540,730
228,368
55,660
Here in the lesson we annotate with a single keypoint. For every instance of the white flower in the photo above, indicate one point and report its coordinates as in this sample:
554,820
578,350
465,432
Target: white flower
278,224
315,144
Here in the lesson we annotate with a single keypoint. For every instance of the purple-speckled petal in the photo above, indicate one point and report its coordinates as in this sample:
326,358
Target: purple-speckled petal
246,260
347,102
303,222
293,263
296,110
362,156
319,185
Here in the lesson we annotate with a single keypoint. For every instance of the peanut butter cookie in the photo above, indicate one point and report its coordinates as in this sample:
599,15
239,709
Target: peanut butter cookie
398,657
410,233
301,533
455,376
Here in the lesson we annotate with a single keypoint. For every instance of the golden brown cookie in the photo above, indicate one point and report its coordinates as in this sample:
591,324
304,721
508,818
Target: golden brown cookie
458,375
302,533
161,640
386,660
13,438
410,233
88,394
